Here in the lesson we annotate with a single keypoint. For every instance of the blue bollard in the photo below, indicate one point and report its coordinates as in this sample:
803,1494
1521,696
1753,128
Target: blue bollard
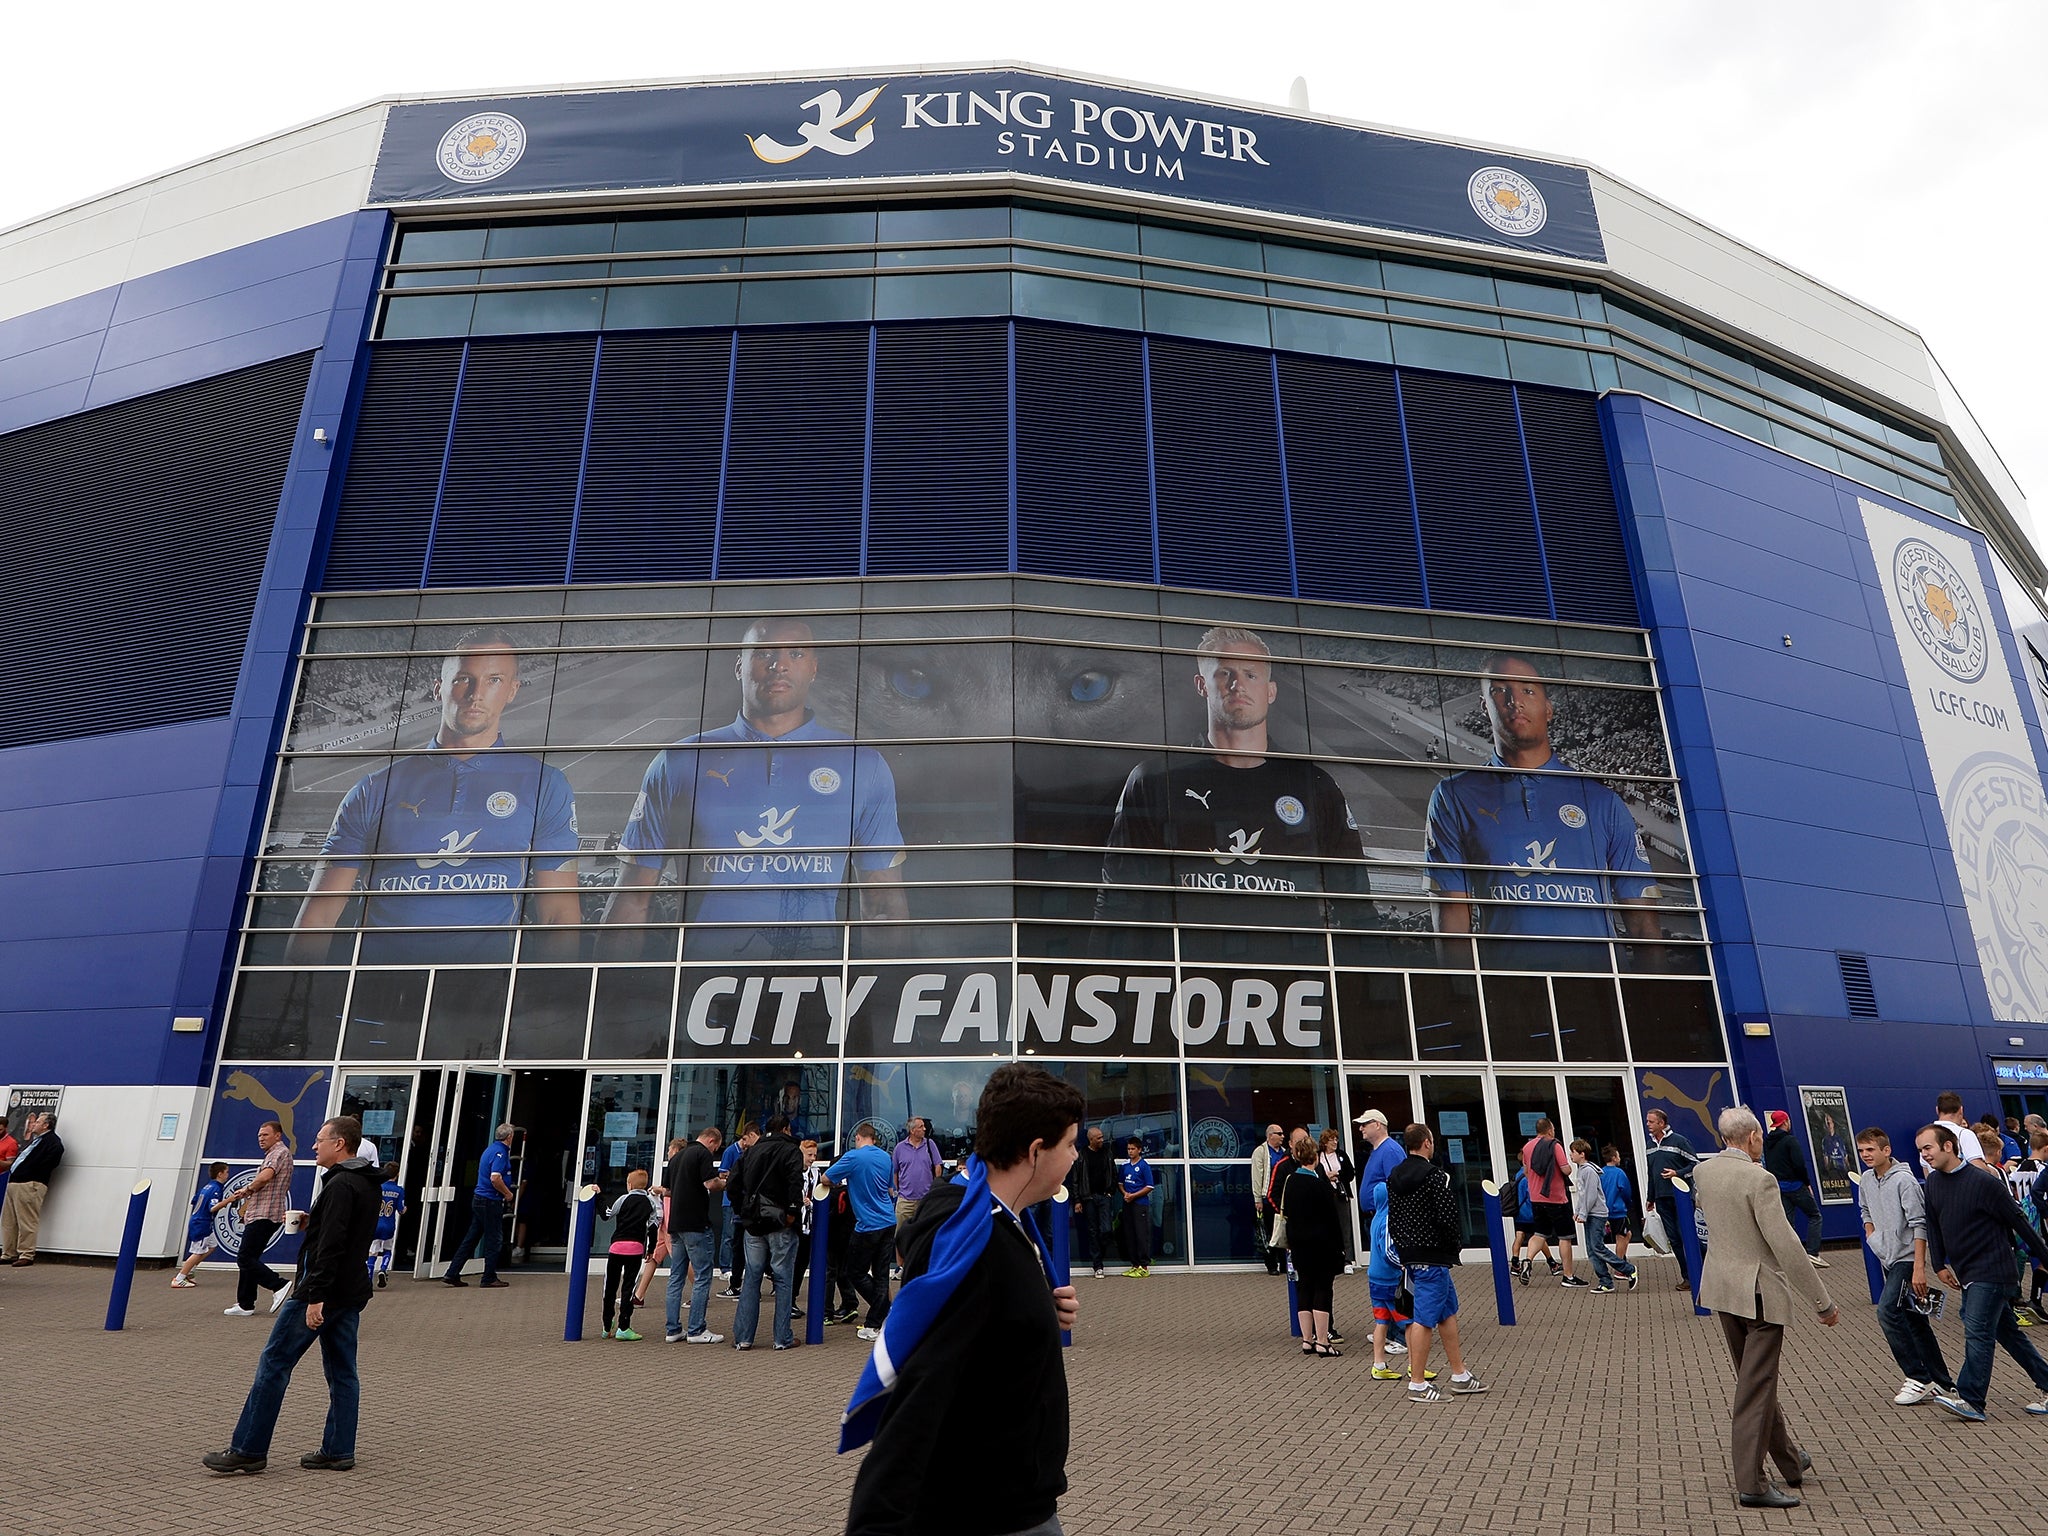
1497,1240
1874,1272
1293,1301
821,1283
124,1266
1062,1250
1689,1234
579,1262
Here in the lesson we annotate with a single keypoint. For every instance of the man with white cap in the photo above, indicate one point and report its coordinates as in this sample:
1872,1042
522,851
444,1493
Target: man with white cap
1383,1155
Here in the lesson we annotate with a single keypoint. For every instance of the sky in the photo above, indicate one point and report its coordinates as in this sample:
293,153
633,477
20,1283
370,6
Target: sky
1895,150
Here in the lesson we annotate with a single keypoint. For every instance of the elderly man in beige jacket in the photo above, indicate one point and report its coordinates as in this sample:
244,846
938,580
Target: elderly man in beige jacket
1754,1265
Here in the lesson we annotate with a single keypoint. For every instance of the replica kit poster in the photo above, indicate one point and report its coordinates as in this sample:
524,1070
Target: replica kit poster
1831,1136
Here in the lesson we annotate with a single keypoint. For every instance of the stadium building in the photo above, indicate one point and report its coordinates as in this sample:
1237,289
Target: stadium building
628,608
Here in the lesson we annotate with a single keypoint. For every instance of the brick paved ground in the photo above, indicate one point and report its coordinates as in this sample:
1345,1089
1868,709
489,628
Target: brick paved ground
1192,1412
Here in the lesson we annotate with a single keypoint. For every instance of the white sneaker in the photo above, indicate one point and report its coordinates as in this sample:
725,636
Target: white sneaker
282,1295
706,1337
868,1333
180,1283
1912,1392
1396,1347
1350,1269
1821,1263
239,1311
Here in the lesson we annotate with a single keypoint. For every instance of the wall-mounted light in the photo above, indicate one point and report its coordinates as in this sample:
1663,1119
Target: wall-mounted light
1757,1028
320,436
2015,1039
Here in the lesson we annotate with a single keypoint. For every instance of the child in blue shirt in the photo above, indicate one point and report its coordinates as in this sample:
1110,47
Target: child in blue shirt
1135,1175
199,1227
1383,1276
389,1208
1614,1184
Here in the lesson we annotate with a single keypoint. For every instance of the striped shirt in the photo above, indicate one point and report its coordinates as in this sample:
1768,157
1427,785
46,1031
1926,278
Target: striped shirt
271,1201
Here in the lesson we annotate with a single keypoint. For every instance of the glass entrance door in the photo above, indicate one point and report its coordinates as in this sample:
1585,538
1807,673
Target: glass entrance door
621,1132
384,1102
1454,1107
474,1103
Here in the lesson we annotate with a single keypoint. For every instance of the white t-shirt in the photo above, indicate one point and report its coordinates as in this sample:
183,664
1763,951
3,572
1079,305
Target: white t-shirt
1968,1147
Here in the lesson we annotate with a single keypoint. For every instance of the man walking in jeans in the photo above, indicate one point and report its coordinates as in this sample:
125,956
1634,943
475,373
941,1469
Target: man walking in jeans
1971,1221
325,1304
693,1183
262,1202
487,1212
866,1171
1895,1225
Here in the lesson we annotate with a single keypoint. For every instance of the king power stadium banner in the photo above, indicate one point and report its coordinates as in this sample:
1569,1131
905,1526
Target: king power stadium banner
1984,771
981,122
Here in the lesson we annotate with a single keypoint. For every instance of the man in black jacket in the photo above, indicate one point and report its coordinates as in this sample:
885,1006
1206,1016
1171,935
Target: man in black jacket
328,1295
1093,1188
1972,1220
1423,1225
21,1208
1784,1162
989,1363
767,1201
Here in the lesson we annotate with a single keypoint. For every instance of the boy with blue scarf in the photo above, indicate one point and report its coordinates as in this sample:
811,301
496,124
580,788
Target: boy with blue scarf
974,1338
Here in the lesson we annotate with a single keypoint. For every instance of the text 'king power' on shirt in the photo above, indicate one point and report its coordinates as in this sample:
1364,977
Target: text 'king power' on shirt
1538,834
446,838
1255,829
773,819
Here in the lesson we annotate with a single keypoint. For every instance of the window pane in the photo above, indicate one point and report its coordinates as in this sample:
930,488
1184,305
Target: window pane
807,300
1183,314
1450,351
1518,1019
438,278
1565,367
715,233
1672,1020
1438,282
1372,1016
441,314
1543,298
1299,330
630,1020
518,314
554,272
1226,1227
807,261
944,293
853,226
442,244
1075,229
988,222
1126,1098
467,1019
1588,1018
286,1016
549,1010
653,307
1447,1018
1326,267
949,256
550,239
1083,303
384,1016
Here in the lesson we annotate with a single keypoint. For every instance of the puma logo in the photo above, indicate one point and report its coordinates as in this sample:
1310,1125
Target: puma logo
1657,1086
411,805
1492,816
245,1089
723,775
1201,795
1197,1075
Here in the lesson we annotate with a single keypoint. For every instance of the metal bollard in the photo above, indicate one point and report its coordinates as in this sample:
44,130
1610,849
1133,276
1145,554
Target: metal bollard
579,1262
1062,1250
124,1266
821,1282
1293,1301
1689,1234
1496,1239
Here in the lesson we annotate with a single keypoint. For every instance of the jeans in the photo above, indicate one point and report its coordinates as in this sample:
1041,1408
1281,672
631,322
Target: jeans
777,1251
251,1271
867,1270
486,1227
1605,1264
1910,1335
1667,1211
723,1229
289,1339
1097,1224
1988,1320
695,1248
1801,1199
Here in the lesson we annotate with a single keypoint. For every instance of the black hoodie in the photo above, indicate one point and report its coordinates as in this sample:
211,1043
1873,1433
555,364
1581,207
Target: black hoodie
1422,1213
338,1232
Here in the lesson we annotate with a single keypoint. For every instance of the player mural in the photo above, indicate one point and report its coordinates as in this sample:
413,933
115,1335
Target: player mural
960,777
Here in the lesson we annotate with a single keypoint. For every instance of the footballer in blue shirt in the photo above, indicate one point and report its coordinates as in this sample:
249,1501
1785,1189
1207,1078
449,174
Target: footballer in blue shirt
1528,845
770,816
449,837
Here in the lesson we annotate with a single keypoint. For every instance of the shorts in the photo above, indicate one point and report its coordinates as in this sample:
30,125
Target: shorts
1436,1297
1554,1221
1618,1228
199,1245
380,1245
1383,1294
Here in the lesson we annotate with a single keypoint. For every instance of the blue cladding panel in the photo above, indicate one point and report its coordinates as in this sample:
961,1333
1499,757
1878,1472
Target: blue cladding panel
657,436
1347,481
1084,500
513,463
939,479
798,448
1472,491
394,470
1216,458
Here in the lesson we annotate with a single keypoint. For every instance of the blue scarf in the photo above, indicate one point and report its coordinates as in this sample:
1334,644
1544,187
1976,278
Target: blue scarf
956,1248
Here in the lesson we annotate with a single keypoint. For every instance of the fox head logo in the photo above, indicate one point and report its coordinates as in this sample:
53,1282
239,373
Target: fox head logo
1940,606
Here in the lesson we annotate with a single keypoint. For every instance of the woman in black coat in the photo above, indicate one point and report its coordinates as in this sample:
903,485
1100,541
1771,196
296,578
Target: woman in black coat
1313,1242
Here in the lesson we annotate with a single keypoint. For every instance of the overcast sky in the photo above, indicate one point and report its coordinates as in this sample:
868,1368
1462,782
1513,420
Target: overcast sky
1894,149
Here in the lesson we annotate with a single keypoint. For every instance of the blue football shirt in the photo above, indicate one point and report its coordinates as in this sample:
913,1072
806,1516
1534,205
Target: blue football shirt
774,822
446,841
866,1172
390,1204
1551,845
497,1159
1614,1185
1137,1176
202,1211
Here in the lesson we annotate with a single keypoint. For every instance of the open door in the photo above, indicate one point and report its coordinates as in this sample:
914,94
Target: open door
474,1102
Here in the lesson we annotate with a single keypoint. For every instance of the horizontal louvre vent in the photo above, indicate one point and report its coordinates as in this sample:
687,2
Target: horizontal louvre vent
794,465
394,468
1347,483
513,464
1472,494
1216,458
657,441
1582,545
136,536
1856,985
1084,492
939,481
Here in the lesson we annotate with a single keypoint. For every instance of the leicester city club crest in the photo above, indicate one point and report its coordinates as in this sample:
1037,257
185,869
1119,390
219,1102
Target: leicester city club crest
482,147
1941,606
1507,200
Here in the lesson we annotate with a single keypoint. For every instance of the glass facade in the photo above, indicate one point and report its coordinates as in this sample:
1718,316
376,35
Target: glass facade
931,261
836,849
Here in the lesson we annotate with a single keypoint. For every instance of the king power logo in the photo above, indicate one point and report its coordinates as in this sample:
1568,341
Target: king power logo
1029,125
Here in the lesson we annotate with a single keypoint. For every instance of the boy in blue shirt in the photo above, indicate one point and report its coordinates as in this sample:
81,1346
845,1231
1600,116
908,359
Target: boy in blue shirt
1135,1175
390,1206
1383,1275
199,1228
1614,1184
868,1173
